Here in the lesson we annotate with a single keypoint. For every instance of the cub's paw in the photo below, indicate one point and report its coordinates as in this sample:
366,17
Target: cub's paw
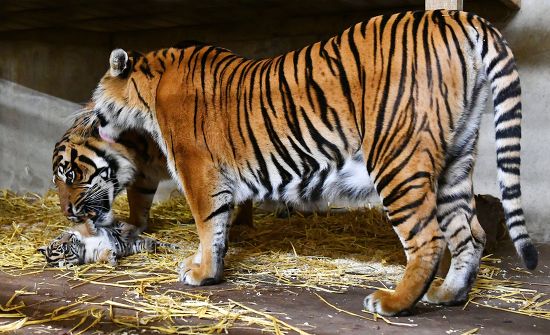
195,275
112,258
385,303
107,256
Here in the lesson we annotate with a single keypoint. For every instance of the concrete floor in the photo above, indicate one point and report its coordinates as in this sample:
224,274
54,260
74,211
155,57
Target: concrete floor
305,310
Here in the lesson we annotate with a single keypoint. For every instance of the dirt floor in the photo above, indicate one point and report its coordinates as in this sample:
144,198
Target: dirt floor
307,274
301,308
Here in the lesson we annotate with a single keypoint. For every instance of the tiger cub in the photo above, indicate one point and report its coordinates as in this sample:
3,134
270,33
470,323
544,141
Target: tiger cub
391,105
86,243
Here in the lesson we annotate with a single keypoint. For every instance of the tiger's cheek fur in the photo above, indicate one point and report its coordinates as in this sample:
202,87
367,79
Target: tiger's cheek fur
68,197
64,193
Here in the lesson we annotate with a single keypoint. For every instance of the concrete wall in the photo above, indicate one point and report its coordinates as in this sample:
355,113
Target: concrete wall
65,64
68,65
30,124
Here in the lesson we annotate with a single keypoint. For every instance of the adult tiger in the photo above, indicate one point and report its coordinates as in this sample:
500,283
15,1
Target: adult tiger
394,103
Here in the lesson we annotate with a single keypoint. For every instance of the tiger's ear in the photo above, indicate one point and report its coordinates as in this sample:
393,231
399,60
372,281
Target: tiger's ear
118,62
42,250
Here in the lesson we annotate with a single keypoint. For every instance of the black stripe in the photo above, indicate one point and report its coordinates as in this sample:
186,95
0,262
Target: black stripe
411,205
420,225
220,193
143,190
139,95
515,224
398,190
508,148
86,160
512,90
321,142
456,232
277,143
382,180
222,209
311,84
509,193
286,177
520,237
289,106
462,246
263,171
173,152
513,113
372,160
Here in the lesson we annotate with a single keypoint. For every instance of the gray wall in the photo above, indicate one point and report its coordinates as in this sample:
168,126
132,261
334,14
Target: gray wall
67,64
30,124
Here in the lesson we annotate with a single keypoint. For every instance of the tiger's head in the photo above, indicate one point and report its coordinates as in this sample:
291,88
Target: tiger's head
65,249
88,173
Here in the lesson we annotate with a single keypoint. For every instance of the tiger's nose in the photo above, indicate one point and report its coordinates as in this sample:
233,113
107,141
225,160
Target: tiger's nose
71,213
67,209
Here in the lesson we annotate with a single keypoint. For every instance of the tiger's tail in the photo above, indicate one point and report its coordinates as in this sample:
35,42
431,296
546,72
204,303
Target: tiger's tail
503,77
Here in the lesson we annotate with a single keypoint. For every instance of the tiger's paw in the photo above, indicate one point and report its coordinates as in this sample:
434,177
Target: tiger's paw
113,261
442,295
194,274
385,303
107,256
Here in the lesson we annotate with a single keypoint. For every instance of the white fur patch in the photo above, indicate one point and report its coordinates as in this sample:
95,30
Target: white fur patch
351,185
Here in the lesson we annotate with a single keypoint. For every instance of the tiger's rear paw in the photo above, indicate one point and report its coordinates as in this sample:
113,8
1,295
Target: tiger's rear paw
442,295
385,303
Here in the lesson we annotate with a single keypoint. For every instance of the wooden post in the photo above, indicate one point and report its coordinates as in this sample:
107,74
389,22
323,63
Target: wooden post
444,4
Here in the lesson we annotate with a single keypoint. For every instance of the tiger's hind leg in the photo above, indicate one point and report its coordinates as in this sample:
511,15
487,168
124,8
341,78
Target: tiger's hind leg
410,201
464,235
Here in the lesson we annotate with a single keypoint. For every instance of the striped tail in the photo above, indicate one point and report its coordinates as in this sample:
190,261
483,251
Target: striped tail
500,68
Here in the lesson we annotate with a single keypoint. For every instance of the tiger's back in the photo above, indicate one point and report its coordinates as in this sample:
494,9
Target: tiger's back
315,120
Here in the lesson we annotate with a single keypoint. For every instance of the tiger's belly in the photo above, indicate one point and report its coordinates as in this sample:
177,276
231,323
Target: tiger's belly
347,185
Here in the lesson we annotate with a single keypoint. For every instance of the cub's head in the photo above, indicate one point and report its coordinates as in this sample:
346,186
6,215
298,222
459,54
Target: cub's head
65,249
88,173
126,95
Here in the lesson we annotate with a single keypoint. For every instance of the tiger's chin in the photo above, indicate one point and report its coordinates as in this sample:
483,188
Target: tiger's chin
103,219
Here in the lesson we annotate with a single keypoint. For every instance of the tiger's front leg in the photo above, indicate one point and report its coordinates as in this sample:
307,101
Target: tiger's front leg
211,205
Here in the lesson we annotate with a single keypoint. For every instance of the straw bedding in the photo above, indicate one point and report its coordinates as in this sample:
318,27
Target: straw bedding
327,253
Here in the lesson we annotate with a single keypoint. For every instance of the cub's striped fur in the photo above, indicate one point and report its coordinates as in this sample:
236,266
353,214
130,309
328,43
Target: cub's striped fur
392,103
86,243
